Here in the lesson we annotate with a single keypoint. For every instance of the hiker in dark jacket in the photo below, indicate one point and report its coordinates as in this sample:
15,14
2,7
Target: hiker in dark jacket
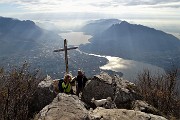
81,82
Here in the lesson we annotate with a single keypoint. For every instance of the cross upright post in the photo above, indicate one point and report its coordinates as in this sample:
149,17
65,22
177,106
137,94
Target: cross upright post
65,49
66,57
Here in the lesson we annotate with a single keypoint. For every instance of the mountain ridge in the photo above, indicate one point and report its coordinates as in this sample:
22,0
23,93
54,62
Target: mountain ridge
36,49
136,42
24,35
97,26
133,34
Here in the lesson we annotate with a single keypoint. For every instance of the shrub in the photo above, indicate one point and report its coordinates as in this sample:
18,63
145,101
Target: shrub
161,91
17,89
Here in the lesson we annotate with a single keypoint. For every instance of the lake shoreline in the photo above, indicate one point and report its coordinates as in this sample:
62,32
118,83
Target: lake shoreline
129,68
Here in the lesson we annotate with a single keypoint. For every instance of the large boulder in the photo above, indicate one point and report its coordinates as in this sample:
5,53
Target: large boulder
121,114
64,107
103,86
43,95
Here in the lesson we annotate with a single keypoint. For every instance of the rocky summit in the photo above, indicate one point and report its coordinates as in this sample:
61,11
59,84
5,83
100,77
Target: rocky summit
125,103
64,107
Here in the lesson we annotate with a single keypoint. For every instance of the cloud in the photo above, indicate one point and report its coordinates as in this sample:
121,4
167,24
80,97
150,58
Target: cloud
84,5
103,5
74,9
92,2
144,2
170,5
77,10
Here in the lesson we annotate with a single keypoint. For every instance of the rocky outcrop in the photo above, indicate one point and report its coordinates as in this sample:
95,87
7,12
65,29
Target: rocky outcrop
103,86
121,114
64,107
71,107
143,106
43,95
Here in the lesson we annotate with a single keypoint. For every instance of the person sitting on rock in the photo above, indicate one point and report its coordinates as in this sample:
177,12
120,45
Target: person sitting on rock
81,82
66,85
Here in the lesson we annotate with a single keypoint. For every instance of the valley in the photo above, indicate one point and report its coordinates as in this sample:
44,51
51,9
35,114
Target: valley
97,51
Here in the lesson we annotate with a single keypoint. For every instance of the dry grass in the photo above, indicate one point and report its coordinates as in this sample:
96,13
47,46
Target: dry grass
17,89
161,91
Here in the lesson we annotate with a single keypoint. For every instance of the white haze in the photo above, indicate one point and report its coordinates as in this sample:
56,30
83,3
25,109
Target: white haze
67,14
76,38
168,26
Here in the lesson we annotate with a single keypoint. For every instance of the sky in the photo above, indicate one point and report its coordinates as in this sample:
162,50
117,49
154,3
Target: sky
160,14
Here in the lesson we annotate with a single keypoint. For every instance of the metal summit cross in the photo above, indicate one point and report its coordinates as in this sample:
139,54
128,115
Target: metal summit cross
65,49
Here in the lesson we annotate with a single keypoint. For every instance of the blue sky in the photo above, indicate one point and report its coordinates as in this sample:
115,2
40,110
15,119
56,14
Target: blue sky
162,14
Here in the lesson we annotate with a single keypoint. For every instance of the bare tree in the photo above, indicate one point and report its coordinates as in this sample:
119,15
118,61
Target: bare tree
17,89
161,91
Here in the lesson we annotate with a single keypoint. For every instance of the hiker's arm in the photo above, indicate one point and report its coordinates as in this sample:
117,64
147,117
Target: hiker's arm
85,79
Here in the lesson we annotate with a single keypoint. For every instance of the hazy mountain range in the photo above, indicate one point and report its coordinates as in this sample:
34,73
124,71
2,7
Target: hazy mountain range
22,41
49,26
20,36
132,41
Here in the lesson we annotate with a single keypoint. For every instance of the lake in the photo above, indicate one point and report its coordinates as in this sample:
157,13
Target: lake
76,38
129,68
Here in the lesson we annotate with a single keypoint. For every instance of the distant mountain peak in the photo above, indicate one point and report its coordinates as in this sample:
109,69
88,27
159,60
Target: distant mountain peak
98,26
105,20
1,17
17,36
11,22
124,22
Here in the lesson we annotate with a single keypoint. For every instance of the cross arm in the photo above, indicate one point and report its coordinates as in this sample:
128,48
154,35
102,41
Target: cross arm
64,49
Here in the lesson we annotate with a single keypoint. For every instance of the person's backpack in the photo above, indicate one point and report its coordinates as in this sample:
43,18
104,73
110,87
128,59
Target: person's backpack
60,85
